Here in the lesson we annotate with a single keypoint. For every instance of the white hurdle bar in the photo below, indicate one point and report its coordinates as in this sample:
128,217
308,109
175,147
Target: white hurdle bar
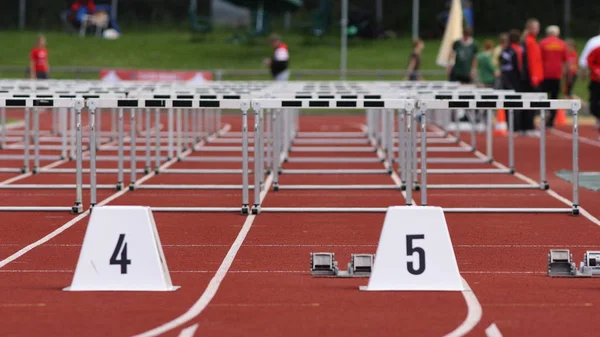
29,104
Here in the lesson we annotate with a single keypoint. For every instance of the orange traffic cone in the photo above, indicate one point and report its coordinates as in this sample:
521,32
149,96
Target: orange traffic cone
560,118
501,127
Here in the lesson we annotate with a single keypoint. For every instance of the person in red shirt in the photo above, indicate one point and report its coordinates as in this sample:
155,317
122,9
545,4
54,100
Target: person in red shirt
532,76
593,64
554,58
38,60
572,68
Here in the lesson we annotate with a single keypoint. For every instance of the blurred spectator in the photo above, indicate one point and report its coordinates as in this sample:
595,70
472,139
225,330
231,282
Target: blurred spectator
572,68
502,44
414,63
590,59
464,52
279,62
511,62
532,76
485,68
38,60
79,8
554,58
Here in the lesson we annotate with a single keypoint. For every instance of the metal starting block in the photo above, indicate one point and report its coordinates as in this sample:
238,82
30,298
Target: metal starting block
590,266
560,263
325,265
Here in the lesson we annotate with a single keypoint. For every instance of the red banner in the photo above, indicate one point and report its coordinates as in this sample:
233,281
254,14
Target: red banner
117,75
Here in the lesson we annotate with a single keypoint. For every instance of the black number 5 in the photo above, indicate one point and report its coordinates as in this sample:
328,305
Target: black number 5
410,250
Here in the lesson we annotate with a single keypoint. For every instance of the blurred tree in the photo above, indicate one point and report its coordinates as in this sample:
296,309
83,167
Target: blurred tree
490,16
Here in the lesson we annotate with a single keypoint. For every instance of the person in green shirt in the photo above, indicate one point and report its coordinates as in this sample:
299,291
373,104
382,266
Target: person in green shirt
485,66
464,52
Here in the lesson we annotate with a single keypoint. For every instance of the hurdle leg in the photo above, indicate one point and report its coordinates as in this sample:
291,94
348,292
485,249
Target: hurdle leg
121,160
511,141
409,155
472,118
92,142
27,141
36,140
73,133
257,180
489,138
3,128
276,148
543,179
78,207
262,149
133,150
390,140
148,115
98,127
63,127
179,140
423,158
413,148
186,129
200,125
194,135
245,177
170,134
402,146
269,134
575,177
157,139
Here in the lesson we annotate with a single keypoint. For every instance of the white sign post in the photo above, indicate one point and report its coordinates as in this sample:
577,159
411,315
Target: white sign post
121,252
415,252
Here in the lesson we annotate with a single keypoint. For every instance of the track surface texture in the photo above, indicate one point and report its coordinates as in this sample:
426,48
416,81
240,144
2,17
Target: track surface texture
250,276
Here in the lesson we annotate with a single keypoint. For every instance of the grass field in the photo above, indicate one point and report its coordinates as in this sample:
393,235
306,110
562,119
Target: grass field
173,49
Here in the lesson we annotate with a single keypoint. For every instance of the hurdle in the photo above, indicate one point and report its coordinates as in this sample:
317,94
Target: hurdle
29,104
511,105
170,104
280,139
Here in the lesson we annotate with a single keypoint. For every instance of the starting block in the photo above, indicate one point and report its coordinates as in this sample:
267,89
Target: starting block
560,264
121,251
325,265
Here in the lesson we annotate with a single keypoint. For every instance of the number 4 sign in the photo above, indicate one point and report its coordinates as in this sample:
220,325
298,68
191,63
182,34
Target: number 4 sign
121,251
415,252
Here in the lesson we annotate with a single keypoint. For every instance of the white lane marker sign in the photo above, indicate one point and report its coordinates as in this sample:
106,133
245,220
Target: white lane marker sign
415,252
121,251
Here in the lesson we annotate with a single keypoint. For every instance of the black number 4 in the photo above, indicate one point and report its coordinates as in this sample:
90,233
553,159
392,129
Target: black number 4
410,250
122,261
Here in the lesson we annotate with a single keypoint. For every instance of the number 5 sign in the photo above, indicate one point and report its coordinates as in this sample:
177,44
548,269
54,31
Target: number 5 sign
415,252
121,251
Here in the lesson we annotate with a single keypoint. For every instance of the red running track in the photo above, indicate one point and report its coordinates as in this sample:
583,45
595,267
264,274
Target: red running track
268,290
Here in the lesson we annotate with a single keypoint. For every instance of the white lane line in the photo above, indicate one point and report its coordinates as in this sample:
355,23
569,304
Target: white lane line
529,180
493,331
51,271
474,311
189,331
582,139
215,282
591,245
78,218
